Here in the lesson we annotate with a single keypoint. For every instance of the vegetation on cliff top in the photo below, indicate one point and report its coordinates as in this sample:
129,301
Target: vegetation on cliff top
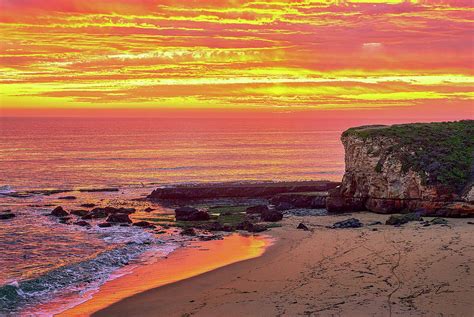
442,152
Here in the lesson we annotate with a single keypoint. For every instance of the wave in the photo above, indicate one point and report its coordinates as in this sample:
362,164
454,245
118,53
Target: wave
75,278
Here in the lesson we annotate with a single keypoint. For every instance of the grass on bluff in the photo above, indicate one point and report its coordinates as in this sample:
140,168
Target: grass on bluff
442,152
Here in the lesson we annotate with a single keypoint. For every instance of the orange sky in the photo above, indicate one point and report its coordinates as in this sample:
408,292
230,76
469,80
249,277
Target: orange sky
235,54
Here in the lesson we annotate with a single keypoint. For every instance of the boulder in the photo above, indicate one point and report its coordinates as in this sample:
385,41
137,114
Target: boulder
397,220
190,214
250,227
104,225
348,223
67,197
302,226
4,216
188,232
148,209
118,218
82,223
79,212
271,215
258,209
59,212
88,205
100,212
282,206
143,224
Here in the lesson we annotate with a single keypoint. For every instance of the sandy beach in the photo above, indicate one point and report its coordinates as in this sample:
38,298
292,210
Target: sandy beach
376,270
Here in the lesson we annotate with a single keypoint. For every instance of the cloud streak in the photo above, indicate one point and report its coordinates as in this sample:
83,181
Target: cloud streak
236,54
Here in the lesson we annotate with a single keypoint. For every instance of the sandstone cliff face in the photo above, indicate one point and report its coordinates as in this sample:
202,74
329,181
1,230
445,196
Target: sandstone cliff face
376,180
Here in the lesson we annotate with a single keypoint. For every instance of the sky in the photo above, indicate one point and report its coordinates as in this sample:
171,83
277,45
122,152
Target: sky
236,54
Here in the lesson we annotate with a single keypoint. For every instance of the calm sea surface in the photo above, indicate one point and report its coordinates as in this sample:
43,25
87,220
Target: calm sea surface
75,152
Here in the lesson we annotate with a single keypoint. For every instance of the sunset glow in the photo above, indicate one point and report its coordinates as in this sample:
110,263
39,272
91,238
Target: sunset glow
235,54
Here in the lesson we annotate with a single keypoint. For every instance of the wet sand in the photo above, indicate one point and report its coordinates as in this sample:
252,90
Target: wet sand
192,260
371,271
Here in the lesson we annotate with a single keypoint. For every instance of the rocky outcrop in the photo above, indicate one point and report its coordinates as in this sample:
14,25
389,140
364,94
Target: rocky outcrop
237,190
310,200
424,168
190,214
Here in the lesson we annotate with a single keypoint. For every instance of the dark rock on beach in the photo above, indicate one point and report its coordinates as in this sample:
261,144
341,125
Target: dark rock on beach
79,212
59,212
397,220
88,205
82,223
258,209
68,197
190,214
143,224
188,232
310,200
271,215
7,215
96,190
118,218
104,225
100,212
148,209
302,226
250,226
348,223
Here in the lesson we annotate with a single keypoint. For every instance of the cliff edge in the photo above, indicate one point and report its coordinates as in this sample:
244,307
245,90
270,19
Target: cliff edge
420,167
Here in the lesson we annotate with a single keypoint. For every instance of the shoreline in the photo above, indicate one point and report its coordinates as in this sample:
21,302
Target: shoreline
181,264
373,270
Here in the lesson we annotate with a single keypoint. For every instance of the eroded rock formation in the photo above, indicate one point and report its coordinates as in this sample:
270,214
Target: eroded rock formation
425,168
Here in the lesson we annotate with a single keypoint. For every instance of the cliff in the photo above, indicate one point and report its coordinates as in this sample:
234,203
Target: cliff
422,167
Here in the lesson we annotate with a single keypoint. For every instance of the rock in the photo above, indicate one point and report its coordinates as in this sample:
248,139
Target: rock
59,212
258,209
211,226
148,209
65,220
470,223
348,223
232,190
302,226
79,212
96,190
250,227
104,225
397,220
68,197
88,217
188,232
118,218
271,215
309,200
82,223
5,215
375,223
190,214
143,224
104,212
9,210
404,168
281,206
439,221
88,205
